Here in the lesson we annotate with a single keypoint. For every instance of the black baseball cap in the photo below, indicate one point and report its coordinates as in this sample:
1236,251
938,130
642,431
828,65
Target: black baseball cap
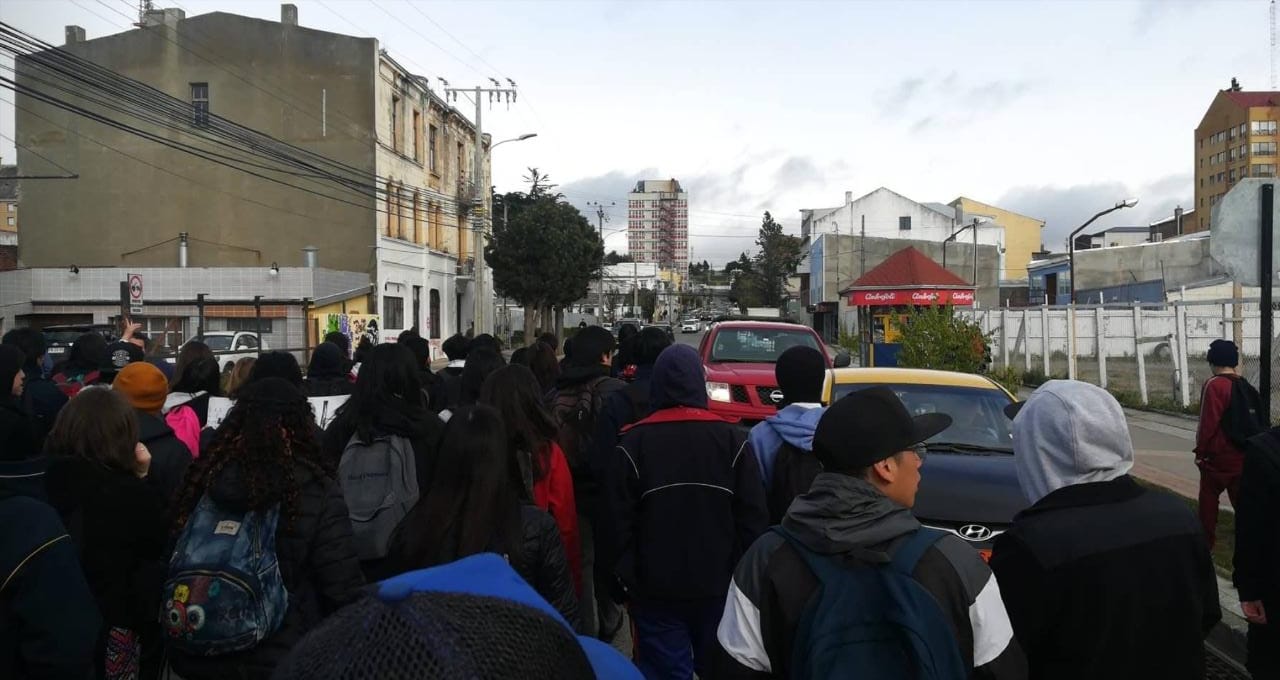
869,425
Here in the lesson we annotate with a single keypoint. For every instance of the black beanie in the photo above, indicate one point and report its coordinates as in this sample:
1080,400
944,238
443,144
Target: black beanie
1224,353
800,371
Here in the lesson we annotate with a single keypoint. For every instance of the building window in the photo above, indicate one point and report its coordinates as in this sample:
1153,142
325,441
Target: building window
391,207
433,313
1231,134
396,142
11,221
12,207
417,135
1231,175
1243,128
1264,170
431,148
904,223
200,104
1264,127
417,308
392,312
1264,148
462,174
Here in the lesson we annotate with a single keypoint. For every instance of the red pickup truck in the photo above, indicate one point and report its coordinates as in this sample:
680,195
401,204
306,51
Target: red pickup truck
739,356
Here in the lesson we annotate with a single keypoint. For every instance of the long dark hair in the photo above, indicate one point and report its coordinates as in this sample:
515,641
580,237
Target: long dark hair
99,426
545,365
514,393
201,375
473,504
481,362
266,434
188,355
388,381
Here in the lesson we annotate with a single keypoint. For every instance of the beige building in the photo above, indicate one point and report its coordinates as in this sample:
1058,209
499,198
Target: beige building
392,195
1236,138
658,224
8,217
1021,234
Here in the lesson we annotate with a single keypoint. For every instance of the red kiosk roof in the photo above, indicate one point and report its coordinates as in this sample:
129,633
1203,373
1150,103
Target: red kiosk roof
909,277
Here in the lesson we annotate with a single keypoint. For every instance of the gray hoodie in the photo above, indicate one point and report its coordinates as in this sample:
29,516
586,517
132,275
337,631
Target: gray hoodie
1067,433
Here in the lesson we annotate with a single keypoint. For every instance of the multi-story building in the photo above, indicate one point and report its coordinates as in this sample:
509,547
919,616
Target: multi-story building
8,217
1236,138
403,213
658,224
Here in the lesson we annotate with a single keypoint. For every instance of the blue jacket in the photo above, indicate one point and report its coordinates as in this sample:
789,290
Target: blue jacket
489,575
794,424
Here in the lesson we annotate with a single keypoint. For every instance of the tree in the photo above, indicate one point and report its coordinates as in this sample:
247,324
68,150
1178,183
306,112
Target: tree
778,257
614,258
648,302
745,289
545,253
934,337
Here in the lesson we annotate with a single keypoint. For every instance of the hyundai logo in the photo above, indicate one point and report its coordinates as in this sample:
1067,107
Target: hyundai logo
975,532
776,396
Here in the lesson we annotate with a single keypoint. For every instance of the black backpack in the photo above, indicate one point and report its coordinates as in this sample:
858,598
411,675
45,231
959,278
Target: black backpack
1243,418
793,473
574,411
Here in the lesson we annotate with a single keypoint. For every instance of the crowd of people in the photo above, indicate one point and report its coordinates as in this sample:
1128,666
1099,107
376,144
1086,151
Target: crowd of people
582,516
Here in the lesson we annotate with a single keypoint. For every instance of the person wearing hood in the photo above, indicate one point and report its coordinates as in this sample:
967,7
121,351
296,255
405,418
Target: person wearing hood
1103,578
473,617
1257,552
688,504
40,397
445,393
145,388
17,427
264,455
325,375
855,516
783,443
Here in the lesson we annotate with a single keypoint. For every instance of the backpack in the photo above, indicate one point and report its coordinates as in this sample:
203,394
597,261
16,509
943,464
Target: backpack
224,592
574,411
1242,419
380,484
793,473
71,385
873,620
186,427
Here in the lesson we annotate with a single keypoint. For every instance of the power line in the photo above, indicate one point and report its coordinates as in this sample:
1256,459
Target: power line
70,173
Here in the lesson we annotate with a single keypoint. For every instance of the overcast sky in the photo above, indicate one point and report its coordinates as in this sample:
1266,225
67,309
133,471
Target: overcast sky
1053,109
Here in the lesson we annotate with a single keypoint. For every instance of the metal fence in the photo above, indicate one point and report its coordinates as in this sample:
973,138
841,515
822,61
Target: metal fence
1151,353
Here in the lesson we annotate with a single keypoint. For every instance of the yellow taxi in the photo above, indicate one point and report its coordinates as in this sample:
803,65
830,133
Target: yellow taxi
968,485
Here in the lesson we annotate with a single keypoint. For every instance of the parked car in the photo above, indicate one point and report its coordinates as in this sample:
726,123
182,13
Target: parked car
666,327
58,339
617,326
739,356
231,346
690,326
968,485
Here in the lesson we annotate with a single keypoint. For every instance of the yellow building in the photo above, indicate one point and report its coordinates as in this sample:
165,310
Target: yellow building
1236,138
1021,234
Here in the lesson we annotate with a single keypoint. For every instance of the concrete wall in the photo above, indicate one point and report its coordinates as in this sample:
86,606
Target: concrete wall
268,77
1177,262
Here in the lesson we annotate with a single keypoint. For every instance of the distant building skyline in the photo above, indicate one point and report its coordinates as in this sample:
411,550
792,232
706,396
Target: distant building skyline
658,224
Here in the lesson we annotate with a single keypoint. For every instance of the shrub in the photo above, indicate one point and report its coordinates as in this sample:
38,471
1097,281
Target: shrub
934,337
1009,377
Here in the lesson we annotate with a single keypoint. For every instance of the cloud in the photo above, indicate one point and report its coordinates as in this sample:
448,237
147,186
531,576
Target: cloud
954,100
798,170
1151,13
1065,208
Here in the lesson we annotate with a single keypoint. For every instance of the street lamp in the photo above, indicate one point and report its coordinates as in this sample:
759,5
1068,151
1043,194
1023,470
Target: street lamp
974,226
481,306
521,138
1071,240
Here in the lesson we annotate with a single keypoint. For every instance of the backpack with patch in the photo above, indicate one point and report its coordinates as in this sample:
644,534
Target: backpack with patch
793,473
1242,419
71,385
224,592
574,411
873,620
379,482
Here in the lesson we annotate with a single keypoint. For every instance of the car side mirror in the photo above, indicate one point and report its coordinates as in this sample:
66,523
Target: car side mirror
843,360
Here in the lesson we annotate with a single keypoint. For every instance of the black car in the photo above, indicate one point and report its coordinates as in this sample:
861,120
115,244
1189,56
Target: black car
58,339
968,484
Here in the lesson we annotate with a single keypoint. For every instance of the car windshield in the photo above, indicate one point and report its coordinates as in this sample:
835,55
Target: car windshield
758,345
978,419
217,343
61,337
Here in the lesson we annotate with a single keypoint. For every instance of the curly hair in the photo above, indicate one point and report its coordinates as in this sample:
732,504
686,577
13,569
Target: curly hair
265,462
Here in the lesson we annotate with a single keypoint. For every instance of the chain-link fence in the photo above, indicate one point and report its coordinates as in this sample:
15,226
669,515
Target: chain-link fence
1148,354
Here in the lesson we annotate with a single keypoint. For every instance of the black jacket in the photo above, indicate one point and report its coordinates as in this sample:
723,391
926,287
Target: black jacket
843,516
446,389
17,432
575,379
544,564
48,623
42,399
1108,580
1257,558
317,561
327,387
169,456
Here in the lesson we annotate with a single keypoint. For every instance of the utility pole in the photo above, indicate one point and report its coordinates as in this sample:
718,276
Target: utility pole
601,218
508,94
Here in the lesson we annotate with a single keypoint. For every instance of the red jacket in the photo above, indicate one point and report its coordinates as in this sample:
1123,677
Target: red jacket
554,493
1211,441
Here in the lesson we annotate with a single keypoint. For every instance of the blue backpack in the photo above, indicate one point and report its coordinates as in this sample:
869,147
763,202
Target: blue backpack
224,592
873,621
